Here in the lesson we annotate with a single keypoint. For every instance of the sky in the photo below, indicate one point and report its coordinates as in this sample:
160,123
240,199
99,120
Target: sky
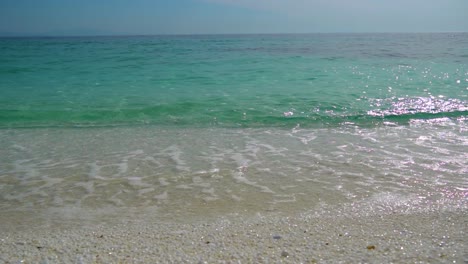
146,17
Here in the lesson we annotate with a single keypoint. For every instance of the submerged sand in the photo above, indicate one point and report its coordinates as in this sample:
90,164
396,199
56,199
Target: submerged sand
417,237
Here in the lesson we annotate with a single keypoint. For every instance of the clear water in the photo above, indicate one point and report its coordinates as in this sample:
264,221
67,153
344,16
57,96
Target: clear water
178,126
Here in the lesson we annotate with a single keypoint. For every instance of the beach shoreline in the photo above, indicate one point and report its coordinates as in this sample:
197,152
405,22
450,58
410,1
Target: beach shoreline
392,237
335,148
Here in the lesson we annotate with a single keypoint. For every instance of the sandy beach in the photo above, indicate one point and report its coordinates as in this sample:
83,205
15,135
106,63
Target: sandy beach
420,237
237,148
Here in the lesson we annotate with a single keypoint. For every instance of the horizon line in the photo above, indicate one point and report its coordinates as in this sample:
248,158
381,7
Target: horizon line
14,35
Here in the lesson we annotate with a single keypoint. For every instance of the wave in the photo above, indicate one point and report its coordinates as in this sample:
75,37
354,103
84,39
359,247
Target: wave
398,111
417,105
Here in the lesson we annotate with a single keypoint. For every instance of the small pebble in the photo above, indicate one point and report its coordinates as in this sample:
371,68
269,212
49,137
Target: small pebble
284,254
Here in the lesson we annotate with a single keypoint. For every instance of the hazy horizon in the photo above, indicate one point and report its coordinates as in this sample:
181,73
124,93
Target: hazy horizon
13,35
209,17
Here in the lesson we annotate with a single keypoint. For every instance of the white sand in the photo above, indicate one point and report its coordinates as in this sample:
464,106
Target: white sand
419,237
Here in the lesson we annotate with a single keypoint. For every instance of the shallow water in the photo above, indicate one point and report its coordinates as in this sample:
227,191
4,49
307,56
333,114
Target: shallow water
191,173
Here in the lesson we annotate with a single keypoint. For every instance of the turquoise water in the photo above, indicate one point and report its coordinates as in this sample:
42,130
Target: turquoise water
182,127
233,80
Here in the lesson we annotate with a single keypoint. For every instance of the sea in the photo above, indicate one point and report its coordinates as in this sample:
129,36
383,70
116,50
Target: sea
194,127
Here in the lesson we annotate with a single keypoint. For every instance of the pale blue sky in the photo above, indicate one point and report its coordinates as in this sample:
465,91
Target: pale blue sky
104,17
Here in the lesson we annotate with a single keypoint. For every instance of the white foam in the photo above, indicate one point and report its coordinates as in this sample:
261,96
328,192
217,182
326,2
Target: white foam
304,138
144,191
88,186
240,178
161,197
175,154
163,182
94,171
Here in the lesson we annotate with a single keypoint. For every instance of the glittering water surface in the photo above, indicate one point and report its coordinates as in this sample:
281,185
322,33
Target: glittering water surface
232,81
185,126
